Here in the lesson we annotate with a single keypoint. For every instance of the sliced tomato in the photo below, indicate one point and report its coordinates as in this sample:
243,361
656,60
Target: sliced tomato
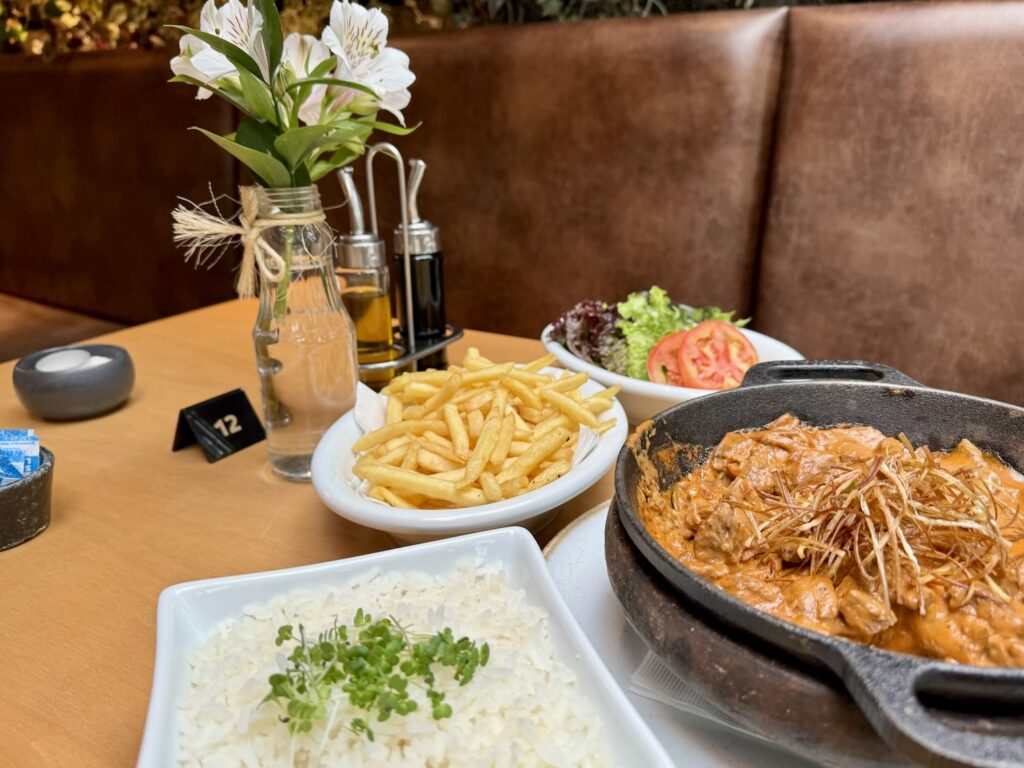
714,355
663,360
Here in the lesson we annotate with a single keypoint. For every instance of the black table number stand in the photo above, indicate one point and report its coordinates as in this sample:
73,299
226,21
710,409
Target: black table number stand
222,425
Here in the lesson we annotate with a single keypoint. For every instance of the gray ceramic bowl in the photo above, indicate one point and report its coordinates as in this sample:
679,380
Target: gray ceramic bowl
25,504
77,393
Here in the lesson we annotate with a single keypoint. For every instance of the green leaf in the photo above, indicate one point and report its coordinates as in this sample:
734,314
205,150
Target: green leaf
294,145
257,97
235,55
323,68
322,167
268,168
304,89
300,177
273,40
397,130
254,134
331,81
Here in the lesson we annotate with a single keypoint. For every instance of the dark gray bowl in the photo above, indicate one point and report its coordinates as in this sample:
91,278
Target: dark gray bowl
76,393
25,504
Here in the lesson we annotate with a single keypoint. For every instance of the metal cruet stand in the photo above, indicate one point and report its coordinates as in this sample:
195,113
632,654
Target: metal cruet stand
411,353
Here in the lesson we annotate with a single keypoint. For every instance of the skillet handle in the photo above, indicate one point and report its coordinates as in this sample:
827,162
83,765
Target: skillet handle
777,371
888,686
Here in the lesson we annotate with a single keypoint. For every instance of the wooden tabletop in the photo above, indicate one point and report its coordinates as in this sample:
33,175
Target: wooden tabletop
78,603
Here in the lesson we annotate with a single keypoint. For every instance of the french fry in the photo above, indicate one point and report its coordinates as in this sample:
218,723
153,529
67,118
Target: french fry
541,448
411,458
473,354
508,426
487,441
454,475
394,410
550,474
552,422
437,400
532,415
491,373
567,383
419,390
404,479
388,431
395,442
442,447
469,497
394,456
490,486
523,392
536,379
605,425
596,405
432,462
476,363
479,402
518,447
521,425
474,423
381,493
570,408
513,487
541,362
566,452
399,383
457,431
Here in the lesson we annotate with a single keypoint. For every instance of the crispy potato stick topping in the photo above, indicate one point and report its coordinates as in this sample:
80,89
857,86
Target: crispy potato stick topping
477,433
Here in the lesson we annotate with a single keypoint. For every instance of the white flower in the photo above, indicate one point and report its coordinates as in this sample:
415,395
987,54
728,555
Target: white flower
358,37
302,54
234,22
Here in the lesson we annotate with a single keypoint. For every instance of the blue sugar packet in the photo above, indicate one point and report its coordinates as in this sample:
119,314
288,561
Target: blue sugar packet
19,454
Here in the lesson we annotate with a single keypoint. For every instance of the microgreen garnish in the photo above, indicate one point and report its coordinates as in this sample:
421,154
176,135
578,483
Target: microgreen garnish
374,663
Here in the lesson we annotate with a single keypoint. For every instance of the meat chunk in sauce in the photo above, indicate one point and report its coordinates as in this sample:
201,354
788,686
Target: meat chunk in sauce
718,516
723,536
864,614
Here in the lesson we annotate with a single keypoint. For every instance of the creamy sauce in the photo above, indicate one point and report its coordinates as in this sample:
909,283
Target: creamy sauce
713,519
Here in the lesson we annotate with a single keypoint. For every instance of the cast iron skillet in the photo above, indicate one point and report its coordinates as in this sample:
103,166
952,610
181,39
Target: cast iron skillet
887,686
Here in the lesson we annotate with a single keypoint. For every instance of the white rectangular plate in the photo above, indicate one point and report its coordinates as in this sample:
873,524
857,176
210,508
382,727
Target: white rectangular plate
188,612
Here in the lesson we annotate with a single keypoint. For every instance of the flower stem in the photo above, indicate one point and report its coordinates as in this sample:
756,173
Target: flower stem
281,300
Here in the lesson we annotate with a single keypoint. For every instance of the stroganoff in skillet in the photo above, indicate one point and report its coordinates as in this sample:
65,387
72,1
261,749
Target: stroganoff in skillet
851,533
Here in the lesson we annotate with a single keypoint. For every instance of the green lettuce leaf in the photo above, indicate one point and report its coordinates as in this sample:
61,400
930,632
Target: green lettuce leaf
649,316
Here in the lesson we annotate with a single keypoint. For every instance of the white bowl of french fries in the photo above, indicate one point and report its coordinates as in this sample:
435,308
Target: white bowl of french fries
479,446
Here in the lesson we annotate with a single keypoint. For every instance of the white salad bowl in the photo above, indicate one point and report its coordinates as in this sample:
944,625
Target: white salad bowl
337,486
189,613
643,399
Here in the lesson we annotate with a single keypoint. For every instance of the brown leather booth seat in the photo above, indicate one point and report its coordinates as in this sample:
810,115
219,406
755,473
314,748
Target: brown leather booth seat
588,160
95,153
896,213
29,326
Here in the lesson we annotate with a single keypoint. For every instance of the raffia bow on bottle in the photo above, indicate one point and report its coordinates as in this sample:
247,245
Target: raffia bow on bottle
204,236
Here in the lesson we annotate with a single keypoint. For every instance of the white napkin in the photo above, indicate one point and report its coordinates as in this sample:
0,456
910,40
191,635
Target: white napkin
371,412
654,680
371,408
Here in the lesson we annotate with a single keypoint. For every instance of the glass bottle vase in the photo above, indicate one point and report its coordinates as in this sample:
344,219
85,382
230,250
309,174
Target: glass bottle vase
305,340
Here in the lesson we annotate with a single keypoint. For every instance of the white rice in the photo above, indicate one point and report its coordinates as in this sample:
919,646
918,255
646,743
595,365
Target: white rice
522,709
